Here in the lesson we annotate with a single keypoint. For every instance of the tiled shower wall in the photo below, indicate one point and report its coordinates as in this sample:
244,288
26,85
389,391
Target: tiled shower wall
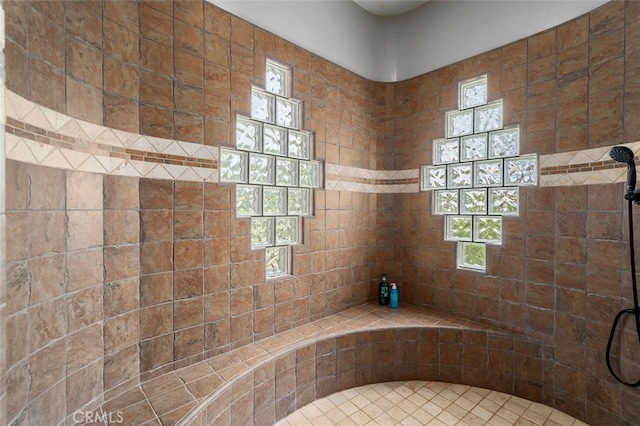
163,272
562,271
145,275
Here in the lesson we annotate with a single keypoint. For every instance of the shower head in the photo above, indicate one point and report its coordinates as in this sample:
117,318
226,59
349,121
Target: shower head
622,154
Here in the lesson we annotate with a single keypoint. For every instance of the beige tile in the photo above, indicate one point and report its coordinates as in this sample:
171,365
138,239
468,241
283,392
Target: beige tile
472,409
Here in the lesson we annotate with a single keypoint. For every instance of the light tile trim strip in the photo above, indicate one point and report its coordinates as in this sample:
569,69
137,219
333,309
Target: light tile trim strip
344,178
38,135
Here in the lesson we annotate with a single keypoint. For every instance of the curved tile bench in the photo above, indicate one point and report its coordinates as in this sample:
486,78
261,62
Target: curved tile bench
265,381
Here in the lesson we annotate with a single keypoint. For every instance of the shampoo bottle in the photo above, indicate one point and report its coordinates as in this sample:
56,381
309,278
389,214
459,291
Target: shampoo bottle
383,291
394,296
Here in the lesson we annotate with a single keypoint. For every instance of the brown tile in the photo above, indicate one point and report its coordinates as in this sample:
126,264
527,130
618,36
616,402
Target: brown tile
50,406
187,225
169,401
216,278
606,47
263,320
45,368
16,68
156,57
155,25
84,21
18,381
188,342
156,225
121,78
121,366
241,300
610,105
188,283
187,313
217,197
217,335
124,13
217,223
84,347
16,186
121,113
46,323
216,306
84,308
84,269
84,101
121,227
16,12
188,38
156,257
84,229
573,60
47,277
120,42
205,386
18,349
121,332
217,251
606,76
46,39
156,194
188,127
156,320
188,68
121,296
121,192
540,271
47,188
188,254
189,195
16,226
241,329
156,289
156,122
156,91
138,414
122,262
84,61
47,84
604,253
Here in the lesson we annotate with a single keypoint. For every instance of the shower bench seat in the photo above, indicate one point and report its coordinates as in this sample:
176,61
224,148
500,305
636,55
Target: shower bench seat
265,381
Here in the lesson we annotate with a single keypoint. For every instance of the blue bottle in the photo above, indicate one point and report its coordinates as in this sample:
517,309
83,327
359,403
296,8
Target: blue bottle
393,296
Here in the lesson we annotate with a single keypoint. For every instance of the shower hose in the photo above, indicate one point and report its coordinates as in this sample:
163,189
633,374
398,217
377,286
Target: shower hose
630,311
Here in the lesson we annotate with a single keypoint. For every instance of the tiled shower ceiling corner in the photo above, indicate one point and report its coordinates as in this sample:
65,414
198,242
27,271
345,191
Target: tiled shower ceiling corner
476,174
273,169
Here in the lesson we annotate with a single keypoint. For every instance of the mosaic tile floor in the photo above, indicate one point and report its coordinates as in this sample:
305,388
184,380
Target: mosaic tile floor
426,403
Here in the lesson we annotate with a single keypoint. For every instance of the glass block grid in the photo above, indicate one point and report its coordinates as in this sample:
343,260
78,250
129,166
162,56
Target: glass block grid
476,172
273,169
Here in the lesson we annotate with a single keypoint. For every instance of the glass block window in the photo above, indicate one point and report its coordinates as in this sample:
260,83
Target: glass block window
476,173
273,169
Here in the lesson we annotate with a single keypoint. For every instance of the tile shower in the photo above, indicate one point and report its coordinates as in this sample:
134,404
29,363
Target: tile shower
131,261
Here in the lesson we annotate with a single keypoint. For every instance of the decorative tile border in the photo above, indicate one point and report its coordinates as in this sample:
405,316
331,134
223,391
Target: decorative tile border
38,135
586,167
344,178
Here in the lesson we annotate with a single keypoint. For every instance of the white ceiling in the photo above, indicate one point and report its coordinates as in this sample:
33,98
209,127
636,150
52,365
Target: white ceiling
401,46
388,7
